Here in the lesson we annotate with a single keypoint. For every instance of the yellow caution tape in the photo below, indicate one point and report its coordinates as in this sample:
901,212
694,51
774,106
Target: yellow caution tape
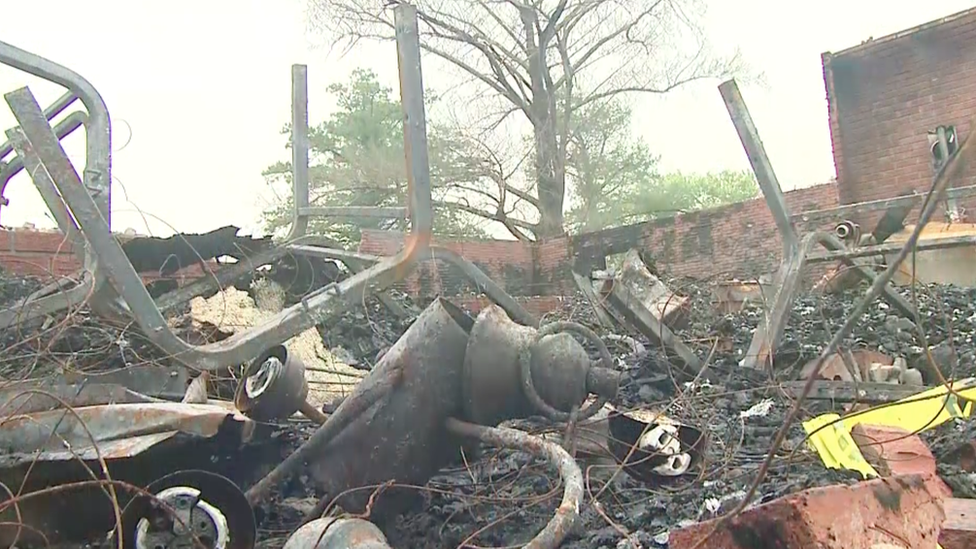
830,435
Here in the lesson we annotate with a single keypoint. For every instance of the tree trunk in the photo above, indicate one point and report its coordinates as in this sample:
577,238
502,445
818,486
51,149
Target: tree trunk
550,179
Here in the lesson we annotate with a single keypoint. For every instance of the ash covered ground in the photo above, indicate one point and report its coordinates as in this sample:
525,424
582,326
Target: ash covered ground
506,497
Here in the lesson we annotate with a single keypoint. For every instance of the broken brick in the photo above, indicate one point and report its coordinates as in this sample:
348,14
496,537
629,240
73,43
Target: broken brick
902,510
895,451
959,528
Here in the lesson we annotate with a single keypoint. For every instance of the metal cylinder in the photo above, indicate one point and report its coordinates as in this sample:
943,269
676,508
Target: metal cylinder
273,386
561,371
402,436
332,533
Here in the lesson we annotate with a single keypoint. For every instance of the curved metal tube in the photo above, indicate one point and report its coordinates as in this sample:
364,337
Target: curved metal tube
568,511
98,152
114,264
50,112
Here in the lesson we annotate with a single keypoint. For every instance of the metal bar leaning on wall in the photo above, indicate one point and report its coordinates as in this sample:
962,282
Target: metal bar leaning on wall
316,307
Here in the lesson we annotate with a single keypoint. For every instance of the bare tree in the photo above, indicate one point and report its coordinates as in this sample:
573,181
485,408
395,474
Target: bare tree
546,60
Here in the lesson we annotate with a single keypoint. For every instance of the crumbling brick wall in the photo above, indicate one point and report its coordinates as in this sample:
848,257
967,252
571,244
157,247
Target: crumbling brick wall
736,240
46,254
886,94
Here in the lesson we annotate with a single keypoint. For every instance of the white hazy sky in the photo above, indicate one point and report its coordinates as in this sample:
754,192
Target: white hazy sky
198,92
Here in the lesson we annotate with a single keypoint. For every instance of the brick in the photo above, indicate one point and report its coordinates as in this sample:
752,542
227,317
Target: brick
897,451
959,528
905,511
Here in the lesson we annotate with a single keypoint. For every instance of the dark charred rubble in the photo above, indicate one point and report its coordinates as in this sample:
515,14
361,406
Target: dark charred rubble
503,498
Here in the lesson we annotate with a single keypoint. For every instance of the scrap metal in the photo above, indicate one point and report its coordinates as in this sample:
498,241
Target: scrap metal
88,201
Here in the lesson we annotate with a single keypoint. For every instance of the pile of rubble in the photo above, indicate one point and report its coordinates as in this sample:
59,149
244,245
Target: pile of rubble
498,498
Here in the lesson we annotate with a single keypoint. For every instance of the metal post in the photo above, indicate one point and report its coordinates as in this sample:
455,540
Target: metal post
414,124
299,150
761,165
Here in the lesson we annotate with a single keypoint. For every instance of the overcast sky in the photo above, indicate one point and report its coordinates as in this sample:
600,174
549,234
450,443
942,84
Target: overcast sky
198,92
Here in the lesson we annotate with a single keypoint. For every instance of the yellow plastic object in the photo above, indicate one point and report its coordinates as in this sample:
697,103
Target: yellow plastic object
836,447
917,413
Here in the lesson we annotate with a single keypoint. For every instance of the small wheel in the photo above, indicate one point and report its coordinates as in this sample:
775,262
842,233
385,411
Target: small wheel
189,506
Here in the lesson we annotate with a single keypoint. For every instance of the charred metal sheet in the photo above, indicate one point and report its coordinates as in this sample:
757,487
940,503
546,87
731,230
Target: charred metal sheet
119,430
23,398
168,255
630,308
148,379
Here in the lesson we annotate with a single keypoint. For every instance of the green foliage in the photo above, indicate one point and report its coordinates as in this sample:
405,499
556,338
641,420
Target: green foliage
615,179
356,158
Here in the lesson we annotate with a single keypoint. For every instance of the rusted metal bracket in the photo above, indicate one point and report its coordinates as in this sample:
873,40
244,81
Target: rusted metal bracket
88,203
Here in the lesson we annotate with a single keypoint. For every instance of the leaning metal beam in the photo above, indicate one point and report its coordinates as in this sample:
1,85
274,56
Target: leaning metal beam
316,307
761,165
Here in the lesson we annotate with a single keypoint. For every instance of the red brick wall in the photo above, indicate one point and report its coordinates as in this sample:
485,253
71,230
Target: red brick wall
47,254
736,240
883,96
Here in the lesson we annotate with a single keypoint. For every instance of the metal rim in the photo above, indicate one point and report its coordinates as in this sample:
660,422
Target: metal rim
525,363
215,517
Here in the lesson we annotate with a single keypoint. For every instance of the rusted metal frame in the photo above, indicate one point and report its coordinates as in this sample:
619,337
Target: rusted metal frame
882,249
227,275
49,193
636,314
63,129
761,166
841,212
302,209
482,281
771,326
98,151
355,265
316,307
567,513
